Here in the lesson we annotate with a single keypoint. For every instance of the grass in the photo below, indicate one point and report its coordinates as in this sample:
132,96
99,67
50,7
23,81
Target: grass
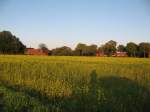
15,101
74,84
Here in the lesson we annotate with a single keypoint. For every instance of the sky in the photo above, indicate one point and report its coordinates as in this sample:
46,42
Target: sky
67,22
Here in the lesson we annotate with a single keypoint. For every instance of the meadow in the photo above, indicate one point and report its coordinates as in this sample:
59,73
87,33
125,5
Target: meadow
74,84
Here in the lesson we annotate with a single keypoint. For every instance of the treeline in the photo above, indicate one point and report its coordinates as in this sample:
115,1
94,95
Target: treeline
10,44
108,49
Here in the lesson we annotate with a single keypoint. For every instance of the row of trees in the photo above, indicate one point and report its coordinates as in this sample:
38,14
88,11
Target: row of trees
132,49
109,48
10,44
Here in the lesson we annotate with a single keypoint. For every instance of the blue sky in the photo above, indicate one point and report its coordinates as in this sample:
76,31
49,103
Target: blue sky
68,22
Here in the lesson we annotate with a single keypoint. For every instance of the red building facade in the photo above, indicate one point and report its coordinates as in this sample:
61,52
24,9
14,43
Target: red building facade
117,54
32,51
149,55
121,54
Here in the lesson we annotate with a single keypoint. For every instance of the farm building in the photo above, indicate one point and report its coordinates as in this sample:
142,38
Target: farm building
117,54
121,54
100,54
149,54
32,51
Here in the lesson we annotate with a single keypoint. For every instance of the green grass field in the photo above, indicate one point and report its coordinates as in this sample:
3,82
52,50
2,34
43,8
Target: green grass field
74,84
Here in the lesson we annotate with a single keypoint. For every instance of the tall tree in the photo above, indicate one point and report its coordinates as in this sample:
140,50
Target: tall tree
110,47
144,49
132,49
43,47
85,50
92,50
10,44
121,48
80,49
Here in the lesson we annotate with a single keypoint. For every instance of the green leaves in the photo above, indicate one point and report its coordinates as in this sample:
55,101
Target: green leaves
10,44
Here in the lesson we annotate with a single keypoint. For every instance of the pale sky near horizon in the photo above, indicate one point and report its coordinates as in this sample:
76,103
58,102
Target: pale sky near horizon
67,22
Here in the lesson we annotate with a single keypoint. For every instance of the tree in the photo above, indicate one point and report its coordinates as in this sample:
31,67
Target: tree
101,49
84,50
121,48
92,50
43,47
10,44
62,51
50,52
80,49
144,49
132,49
110,47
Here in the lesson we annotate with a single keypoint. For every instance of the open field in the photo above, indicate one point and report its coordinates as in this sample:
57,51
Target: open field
74,84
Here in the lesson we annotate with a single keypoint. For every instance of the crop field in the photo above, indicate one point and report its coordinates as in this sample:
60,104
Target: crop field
74,84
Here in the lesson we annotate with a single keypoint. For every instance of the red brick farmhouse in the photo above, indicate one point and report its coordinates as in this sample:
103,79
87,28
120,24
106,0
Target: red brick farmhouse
32,51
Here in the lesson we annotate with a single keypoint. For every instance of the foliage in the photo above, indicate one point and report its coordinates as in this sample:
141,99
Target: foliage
91,50
121,48
85,50
62,51
144,49
10,44
132,49
110,47
80,49
44,48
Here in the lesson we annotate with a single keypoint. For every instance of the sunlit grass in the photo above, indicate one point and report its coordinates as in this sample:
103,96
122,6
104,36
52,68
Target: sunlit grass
69,83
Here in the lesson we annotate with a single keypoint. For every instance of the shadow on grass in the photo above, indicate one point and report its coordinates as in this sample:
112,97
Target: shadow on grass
124,95
105,94
1,102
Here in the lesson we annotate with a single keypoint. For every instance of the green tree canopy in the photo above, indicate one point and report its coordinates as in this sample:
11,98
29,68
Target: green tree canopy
85,50
10,44
121,48
144,49
132,49
110,47
92,50
80,49
43,47
62,51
